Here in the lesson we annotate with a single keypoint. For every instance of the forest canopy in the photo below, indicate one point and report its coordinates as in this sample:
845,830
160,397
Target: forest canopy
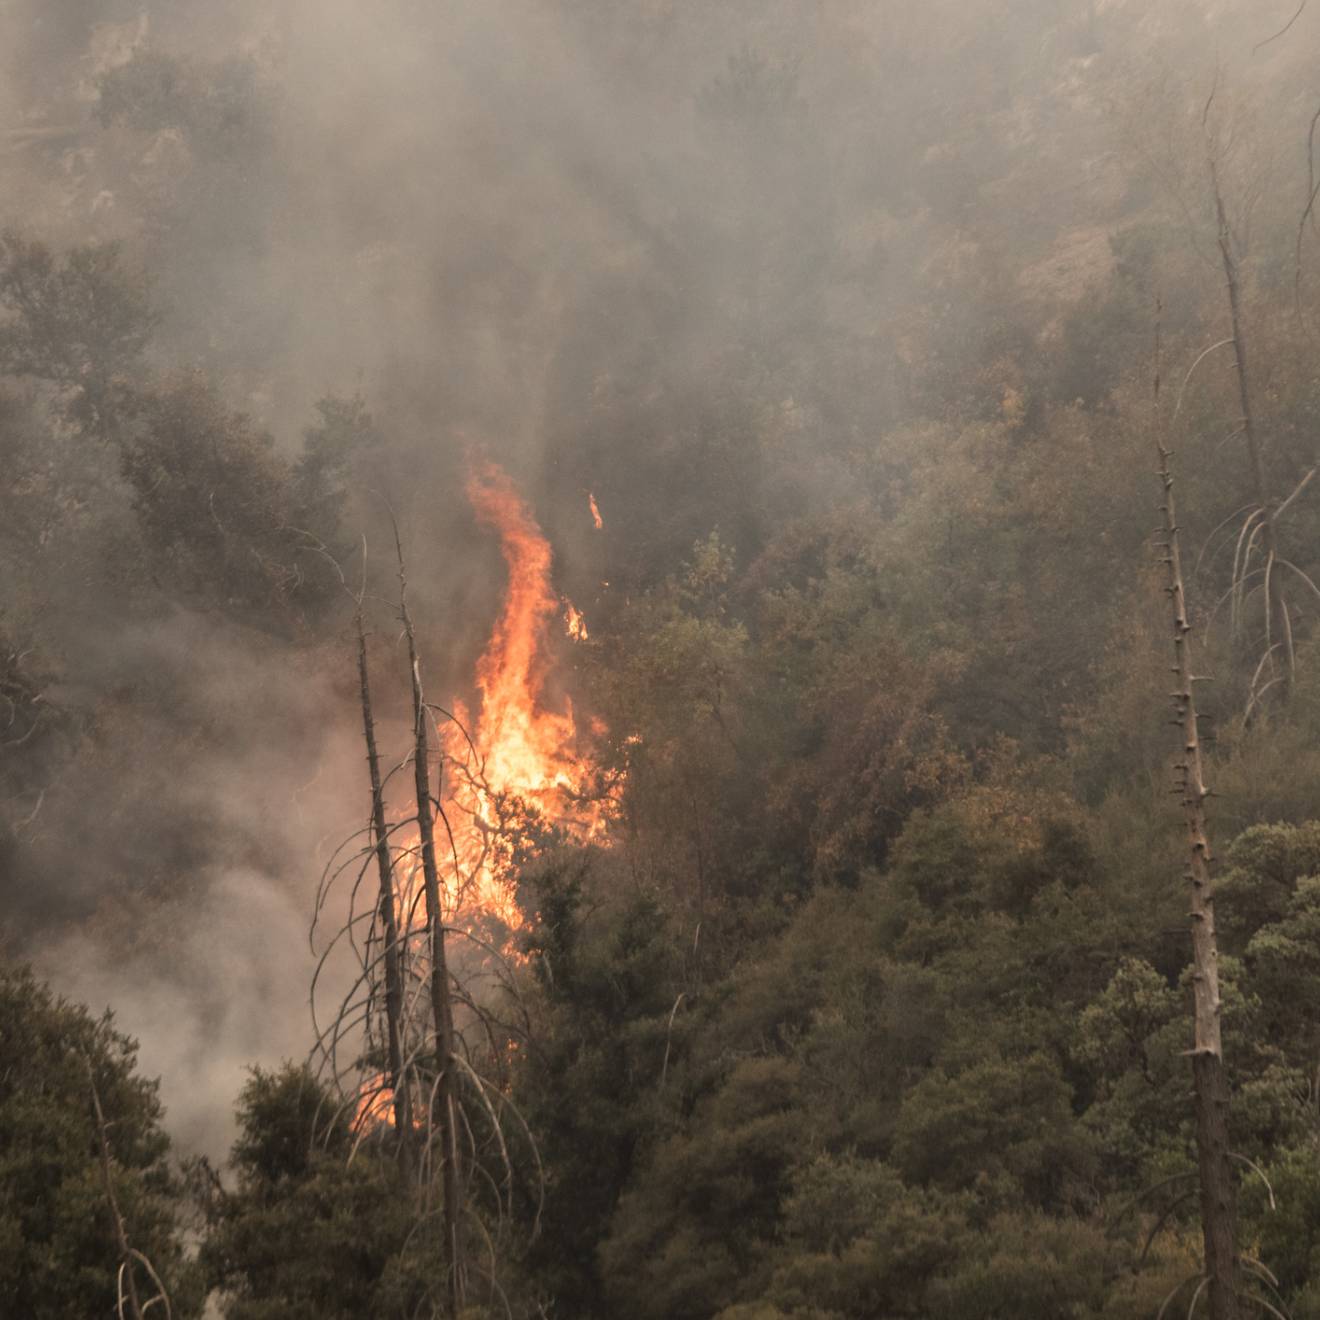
728,591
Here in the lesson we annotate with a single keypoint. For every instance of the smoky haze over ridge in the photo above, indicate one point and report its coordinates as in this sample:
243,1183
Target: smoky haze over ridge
543,233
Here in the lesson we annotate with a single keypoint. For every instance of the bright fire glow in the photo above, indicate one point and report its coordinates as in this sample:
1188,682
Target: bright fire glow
375,1101
575,625
595,511
523,756
524,749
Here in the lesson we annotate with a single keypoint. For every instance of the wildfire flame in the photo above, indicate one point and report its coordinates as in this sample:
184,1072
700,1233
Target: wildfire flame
595,511
526,749
375,1102
517,751
516,754
574,624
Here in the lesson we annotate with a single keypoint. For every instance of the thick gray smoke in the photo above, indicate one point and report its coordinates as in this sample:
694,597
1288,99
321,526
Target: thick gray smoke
548,231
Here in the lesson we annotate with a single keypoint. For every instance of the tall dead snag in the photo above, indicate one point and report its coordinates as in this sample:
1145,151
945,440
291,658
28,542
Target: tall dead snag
394,1025
441,1003
126,1289
1218,1197
444,1132
1278,624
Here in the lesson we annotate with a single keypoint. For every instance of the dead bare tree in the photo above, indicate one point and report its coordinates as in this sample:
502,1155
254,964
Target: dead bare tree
385,946
441,1005
1218,1212
392,952
1221,1282
1258,552
1307,217
1261,567
126,1287
392,1048
1278,626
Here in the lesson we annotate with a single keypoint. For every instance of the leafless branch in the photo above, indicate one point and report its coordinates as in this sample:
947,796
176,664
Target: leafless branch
1260,45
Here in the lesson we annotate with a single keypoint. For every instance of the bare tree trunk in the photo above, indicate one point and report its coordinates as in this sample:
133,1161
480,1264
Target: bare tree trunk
121,1235
1278,626
441,1005
403,1126
1218,1199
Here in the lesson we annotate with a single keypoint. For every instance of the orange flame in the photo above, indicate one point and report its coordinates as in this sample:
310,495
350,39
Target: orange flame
575,625
524,748
520,752
375,1102
595,511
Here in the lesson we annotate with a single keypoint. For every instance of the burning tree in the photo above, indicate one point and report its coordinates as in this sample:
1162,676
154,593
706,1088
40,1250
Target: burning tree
416,1047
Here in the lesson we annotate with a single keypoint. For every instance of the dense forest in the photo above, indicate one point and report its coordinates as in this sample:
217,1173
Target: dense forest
721,589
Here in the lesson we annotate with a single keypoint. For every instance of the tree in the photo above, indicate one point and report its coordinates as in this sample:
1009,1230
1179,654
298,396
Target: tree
227,521
444,1108
607,966
308,1233
64,1197
392,949
392,1050
79,322
1218,1193
1278,622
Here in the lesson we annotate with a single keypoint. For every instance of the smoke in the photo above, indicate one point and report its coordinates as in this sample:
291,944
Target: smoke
694,258
177,855
209,987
